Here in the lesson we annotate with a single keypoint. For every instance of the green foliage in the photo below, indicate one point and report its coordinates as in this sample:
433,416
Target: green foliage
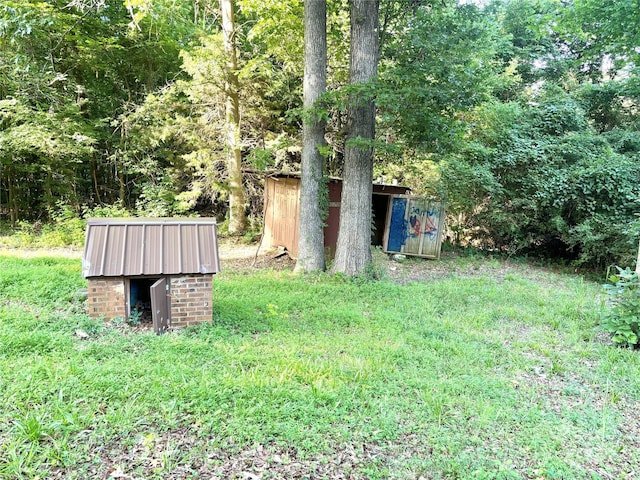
538,177
621,316
106,211
67,70
528,50
605,28
603,104
135,317
66,229
173,149
436,65
41,154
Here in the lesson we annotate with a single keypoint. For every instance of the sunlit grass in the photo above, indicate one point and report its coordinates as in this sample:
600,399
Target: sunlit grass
461,377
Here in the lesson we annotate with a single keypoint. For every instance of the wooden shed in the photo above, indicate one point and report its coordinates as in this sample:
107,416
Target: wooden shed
282,216
160,269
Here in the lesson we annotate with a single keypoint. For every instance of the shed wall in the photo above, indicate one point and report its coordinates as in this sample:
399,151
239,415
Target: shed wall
106,298
191,300
282,204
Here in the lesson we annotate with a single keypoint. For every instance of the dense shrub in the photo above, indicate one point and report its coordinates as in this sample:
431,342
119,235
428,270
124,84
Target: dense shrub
539,177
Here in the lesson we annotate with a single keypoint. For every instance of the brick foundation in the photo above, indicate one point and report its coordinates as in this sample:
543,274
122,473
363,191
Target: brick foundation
191,298
106,298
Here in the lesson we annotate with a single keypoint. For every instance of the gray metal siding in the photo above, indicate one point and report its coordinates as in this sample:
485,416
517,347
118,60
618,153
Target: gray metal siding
130,247
207,258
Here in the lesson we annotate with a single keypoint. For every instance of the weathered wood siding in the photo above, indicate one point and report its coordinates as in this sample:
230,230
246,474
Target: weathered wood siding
414,226
282,206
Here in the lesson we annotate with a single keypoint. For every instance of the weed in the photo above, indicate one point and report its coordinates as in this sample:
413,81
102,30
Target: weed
621,317
135,317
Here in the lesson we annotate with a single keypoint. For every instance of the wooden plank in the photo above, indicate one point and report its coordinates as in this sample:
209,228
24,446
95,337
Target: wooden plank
415,218
431,231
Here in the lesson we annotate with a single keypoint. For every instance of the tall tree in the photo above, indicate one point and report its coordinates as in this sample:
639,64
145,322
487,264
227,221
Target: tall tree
605,27
67,70
237,218
353,251
311,243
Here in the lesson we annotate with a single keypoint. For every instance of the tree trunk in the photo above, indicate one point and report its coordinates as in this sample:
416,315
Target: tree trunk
311,238
237,218
94,176
49,201
13,204
353,252
121,183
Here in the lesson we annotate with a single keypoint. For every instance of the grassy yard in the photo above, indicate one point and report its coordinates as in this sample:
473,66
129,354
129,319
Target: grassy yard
481,371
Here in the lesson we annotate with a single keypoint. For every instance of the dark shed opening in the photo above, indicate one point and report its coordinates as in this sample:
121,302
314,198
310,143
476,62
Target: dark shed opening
379,205
139,302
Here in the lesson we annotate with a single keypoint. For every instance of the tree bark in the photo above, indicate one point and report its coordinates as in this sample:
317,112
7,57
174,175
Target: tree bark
237,217
353,251
122,190
94,177
311,237
13,204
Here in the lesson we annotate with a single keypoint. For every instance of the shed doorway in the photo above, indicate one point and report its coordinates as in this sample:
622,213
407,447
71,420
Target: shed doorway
379,208
149,302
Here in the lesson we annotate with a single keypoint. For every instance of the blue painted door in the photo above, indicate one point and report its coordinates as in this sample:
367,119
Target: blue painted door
397,225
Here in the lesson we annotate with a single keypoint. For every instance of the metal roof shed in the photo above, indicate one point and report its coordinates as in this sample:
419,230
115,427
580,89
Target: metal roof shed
161,268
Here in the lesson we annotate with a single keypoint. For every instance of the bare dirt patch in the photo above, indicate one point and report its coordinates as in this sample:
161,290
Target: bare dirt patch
237,255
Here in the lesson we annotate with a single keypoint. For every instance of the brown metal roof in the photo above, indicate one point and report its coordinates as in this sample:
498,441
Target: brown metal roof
116,247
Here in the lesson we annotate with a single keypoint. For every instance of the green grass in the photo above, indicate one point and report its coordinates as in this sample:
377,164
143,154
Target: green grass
464,377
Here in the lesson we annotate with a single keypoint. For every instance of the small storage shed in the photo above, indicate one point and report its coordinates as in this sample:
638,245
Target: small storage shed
160,269
282,213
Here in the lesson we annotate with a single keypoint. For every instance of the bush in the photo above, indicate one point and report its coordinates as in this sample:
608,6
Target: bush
621,316
539,179
66,228
116,209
